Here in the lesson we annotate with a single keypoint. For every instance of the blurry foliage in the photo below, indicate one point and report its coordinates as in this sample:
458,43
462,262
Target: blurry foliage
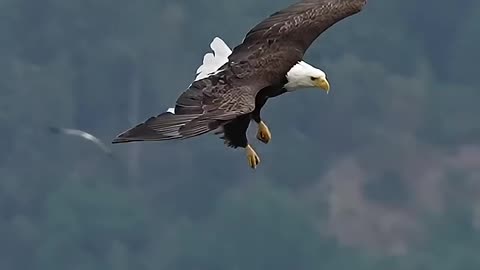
388,188
403,99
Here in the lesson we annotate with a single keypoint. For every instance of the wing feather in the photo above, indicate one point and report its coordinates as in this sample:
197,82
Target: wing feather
295,27
200,109
162,127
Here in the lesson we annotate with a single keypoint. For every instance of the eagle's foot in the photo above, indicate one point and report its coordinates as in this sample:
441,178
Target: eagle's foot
252,157
264,135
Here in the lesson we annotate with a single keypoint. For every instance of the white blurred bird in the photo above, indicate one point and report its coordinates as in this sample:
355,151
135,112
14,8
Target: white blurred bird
84,135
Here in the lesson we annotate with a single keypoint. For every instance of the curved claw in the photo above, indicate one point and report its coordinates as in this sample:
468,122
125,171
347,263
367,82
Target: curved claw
264,135
252,157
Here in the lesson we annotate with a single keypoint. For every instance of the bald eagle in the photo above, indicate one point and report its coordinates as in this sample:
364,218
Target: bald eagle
232,86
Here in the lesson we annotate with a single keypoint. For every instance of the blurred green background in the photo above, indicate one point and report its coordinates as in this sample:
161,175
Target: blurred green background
382,173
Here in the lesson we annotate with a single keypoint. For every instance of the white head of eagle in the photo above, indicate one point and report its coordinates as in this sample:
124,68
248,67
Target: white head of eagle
303,75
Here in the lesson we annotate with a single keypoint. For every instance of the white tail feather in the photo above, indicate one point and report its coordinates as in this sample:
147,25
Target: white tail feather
220,48
213,61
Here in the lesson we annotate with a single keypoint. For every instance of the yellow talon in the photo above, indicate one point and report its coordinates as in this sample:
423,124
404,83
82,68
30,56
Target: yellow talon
252,157
263,133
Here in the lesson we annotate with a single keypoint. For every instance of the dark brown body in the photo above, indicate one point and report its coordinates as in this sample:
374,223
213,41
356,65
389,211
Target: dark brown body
235,132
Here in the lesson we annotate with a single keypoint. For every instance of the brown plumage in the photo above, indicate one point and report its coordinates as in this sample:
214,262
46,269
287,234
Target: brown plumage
256,70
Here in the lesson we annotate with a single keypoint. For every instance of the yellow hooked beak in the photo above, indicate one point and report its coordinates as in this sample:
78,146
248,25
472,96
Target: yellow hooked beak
323,84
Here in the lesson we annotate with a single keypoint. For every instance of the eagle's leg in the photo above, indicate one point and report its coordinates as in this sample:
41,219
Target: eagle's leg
263,132
252,157
235,135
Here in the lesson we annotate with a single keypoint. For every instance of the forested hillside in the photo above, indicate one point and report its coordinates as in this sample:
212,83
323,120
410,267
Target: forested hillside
381,173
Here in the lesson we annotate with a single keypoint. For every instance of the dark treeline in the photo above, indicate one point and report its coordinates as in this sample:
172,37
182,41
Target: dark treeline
382,173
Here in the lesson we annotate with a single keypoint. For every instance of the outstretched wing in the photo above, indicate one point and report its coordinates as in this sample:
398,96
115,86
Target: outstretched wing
294,28
203,107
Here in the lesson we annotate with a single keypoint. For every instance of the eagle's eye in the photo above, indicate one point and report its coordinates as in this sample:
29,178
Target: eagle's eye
313,78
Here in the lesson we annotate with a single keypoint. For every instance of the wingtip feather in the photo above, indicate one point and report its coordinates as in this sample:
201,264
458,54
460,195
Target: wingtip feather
163,127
